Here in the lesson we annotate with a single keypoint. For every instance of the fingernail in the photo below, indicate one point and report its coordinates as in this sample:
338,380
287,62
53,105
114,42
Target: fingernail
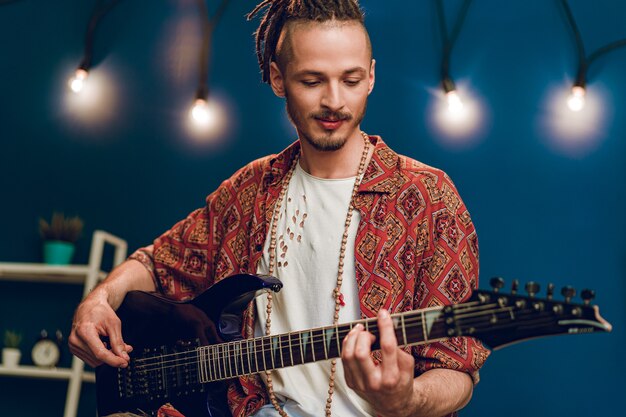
125,355
383,313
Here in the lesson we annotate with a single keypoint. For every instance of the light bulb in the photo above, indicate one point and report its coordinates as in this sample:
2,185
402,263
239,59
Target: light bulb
77,82
200,112
576,100
455,105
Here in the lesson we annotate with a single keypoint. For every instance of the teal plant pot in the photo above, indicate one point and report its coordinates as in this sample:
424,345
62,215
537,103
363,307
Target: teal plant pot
56,252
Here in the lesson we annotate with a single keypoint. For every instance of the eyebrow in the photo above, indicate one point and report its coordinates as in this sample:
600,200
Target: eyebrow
359,70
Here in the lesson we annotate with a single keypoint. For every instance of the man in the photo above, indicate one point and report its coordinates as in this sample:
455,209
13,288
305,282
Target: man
350,227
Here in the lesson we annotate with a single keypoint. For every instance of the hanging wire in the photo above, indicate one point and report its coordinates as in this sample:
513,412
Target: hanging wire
208,27
101,8
449,40
584,60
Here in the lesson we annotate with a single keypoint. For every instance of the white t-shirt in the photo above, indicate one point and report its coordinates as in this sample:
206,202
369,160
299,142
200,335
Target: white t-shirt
309,232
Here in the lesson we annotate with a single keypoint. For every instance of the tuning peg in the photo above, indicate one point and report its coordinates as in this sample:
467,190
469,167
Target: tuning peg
587,295
550,291
532,288
514,286
568,292
496,283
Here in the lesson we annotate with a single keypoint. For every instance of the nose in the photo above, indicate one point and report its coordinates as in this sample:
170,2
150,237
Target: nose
332,98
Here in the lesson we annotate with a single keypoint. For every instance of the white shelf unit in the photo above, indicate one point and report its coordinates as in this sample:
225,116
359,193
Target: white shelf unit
86,275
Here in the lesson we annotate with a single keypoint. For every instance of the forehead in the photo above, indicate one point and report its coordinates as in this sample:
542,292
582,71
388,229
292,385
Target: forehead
328,47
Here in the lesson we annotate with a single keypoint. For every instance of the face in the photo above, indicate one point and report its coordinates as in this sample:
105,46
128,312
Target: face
326,82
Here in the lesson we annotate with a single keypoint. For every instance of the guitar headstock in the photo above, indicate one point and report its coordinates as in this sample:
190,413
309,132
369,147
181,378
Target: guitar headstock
500,319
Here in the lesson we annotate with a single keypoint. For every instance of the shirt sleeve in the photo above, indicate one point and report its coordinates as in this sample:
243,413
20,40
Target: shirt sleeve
447,274
180,260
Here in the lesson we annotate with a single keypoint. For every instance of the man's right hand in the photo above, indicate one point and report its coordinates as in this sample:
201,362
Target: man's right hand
95,318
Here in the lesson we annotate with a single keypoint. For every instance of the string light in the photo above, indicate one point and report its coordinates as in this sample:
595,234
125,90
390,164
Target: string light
455,105
78,80
576,99
205,112
453,99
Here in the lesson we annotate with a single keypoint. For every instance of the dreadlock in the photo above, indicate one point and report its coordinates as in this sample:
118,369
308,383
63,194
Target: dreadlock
280,12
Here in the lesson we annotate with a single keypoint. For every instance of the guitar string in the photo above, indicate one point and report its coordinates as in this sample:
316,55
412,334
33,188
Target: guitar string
372,321
223,369
195,372
267,344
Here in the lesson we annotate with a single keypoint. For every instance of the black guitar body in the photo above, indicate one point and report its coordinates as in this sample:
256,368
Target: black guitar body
159,328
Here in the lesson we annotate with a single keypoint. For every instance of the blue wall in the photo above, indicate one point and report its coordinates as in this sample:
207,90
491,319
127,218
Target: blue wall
543,211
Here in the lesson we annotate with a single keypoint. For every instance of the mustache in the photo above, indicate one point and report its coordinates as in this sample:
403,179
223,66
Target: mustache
332,116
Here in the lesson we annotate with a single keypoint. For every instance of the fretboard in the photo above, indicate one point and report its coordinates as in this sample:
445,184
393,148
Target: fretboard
249,356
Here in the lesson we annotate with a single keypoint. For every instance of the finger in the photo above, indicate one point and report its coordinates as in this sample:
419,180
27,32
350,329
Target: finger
367,374
388,341
86,357
347,355
92,339
114,331
80,350
347,348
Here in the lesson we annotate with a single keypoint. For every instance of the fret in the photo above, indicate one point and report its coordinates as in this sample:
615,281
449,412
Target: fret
243,370
235,352
221,360
367,325
199,354
290,349
280,349
424,327
220,363
302,346
337,336
207,362
272,346
249,361
313,346
263,353
403,328
324,342
227,358
214,362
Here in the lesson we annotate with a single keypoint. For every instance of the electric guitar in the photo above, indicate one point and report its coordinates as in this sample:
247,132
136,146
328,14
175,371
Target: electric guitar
185,351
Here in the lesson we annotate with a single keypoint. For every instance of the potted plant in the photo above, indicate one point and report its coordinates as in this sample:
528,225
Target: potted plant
59,237
11,351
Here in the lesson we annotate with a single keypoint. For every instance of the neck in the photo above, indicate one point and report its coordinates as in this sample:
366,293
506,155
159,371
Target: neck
340,163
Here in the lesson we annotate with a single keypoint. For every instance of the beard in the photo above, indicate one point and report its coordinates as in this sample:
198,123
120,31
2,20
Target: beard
330,140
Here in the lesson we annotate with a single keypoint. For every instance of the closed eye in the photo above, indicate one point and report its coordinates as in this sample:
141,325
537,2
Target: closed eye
310,83
352,83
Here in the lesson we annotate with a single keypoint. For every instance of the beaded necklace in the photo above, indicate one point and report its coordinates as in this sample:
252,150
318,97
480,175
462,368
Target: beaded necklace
336,291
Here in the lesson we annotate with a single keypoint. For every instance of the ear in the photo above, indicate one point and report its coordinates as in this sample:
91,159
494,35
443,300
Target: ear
372,77
276,80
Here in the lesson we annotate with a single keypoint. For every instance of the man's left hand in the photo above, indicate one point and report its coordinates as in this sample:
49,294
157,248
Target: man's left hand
388,387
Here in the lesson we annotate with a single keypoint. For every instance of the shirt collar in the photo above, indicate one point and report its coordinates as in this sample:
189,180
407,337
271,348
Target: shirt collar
382,174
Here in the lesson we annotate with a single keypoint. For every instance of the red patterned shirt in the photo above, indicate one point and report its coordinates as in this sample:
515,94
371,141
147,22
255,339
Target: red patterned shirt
416,247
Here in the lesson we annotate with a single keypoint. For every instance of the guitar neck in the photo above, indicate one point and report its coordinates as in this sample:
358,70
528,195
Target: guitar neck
248,356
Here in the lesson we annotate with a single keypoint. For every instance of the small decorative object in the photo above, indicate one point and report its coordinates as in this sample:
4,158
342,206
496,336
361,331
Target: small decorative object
46,351
59,237
11,353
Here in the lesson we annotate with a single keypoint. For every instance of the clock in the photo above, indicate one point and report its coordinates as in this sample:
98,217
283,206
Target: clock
46,351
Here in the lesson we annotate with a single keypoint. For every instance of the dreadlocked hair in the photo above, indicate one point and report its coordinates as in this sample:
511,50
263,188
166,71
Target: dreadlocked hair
279,12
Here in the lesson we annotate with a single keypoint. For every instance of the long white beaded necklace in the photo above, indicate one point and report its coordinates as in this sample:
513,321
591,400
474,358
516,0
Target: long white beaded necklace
336,291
